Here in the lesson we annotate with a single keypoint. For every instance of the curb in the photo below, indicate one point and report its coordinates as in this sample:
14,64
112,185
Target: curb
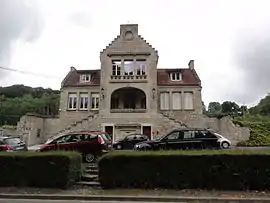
134,198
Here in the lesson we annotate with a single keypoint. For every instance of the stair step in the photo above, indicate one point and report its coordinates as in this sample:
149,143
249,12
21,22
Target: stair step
88,177
89,183
92,167
92,172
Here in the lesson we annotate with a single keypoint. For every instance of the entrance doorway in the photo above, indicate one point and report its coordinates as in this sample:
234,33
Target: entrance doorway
109,130
147,131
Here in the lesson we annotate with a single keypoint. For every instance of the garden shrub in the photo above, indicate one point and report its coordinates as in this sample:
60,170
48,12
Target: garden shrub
213,169
40,169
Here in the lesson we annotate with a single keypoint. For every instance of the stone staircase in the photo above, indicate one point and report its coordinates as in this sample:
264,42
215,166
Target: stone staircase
80,125
90,176
168,123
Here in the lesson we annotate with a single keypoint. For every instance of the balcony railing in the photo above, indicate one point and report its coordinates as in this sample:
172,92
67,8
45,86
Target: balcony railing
128,110
128,78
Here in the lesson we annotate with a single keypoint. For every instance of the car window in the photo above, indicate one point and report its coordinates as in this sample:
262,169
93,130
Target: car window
140,137
12,141
189,134
105,136
130,137
173,136
62,139
86,137
208,134
74,138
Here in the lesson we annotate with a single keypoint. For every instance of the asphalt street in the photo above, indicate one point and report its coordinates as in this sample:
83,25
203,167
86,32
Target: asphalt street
60,201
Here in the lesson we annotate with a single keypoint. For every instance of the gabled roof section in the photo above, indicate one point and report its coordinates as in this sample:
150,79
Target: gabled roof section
188,77
129,37
73,78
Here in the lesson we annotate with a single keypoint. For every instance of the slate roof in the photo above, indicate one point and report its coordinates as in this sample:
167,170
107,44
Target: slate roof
189,78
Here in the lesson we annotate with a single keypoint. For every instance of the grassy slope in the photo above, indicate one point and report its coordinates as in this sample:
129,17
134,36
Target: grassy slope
259,129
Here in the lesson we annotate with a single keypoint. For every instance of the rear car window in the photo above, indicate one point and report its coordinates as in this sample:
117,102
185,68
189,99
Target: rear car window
12,141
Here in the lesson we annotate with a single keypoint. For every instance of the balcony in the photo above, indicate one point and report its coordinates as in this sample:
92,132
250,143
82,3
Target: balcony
128,78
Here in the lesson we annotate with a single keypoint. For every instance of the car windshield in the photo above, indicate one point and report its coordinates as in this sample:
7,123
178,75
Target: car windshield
105,136
13,141
218,135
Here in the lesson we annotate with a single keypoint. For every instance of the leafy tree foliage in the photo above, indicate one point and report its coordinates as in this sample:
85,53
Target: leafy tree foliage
214,108
17,100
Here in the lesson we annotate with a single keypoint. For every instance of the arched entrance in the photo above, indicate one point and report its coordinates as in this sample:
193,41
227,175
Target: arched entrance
128,98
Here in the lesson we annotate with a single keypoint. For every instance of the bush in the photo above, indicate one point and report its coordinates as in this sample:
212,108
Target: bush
36,169
221,169
259,130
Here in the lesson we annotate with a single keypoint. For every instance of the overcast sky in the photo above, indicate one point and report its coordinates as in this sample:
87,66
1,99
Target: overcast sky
228,39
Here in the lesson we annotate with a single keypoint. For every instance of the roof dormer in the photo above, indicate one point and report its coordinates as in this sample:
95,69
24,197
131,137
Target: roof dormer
85,78
176,76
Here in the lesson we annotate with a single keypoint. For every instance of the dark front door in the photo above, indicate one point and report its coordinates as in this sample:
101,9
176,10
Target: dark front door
147,131
109,130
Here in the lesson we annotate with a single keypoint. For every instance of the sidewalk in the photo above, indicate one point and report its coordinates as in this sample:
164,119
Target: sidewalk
134,198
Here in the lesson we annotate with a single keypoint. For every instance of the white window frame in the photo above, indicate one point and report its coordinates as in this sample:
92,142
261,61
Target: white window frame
141,65
85,101
85,77
73,97
117,67
188,105
176,76
164,100
94,101
176,105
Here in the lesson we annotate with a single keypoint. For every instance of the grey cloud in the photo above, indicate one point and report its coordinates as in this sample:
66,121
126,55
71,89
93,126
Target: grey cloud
252,57
17,21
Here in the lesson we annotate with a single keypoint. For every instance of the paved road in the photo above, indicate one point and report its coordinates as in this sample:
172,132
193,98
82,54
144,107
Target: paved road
59,201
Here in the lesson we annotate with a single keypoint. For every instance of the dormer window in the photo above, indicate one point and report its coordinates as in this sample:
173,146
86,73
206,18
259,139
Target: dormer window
85,78
176,76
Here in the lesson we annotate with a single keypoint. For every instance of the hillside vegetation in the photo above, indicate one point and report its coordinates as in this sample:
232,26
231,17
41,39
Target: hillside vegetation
17,100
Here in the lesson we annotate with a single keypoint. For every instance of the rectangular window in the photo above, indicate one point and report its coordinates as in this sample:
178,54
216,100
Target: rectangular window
188,101
141,67
176,100
95,101
116,67
176,76
72,101
84,100
38,132
128,66
85,78
164,101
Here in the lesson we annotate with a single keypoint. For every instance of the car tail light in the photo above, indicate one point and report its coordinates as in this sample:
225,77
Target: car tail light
100,140
6,148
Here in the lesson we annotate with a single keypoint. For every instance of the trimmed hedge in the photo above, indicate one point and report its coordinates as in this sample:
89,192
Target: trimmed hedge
220,169
36,169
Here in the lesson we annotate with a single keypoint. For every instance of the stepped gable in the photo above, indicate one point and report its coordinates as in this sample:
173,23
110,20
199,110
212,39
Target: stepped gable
124,28
73,78
188,77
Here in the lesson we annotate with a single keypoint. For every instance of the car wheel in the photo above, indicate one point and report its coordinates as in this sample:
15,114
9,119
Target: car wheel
225,145
89,158
119,147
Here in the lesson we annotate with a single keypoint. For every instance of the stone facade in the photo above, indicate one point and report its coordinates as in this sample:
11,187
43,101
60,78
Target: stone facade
128,94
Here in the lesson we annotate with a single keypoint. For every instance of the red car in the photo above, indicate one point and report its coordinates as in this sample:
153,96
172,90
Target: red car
91,144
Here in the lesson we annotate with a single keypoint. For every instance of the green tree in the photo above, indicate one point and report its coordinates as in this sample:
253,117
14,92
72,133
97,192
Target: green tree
229,107
214,108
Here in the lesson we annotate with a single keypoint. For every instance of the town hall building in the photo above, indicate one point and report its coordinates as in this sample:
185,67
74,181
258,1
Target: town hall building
127,94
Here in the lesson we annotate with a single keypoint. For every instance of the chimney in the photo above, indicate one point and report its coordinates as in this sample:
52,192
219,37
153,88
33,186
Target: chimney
72,69
191,64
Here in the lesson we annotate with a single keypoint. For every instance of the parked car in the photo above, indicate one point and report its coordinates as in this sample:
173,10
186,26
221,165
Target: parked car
12,144
129,141
187,138
91,144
